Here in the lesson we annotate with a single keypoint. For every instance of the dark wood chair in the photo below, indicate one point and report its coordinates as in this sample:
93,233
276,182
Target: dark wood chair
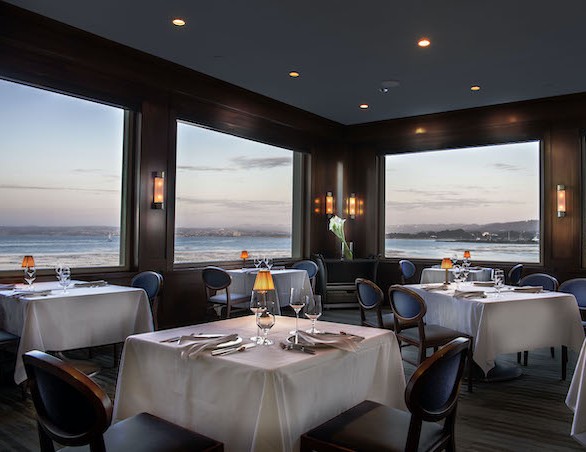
370,299
431,396
7,340
217,279
407,269
310,267
74,411
151,282
514,275
409,309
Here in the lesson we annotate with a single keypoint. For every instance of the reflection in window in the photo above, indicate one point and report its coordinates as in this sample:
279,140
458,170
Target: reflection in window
61,179
232,195
483,199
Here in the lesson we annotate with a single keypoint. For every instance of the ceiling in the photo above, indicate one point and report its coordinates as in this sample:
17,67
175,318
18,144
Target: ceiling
514,50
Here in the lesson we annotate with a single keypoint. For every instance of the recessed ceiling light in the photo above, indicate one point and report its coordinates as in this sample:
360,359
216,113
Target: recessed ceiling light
178,22
424,42
475,88
294,74
363,106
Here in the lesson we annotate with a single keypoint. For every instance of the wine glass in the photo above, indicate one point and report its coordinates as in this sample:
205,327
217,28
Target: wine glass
454,259
257,304
265,319
313,311
457,271
30,274
269,263
257,261
64,277
499,280
465,272
297,302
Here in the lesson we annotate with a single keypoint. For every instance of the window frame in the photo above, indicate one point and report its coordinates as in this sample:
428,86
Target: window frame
543,219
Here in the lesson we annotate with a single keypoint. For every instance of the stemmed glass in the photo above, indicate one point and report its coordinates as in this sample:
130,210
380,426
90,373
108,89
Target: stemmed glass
499,280
257,261
313,311
63,276
457,271
465,271
269,262
297,302
265,319
257,305
30,274
454,259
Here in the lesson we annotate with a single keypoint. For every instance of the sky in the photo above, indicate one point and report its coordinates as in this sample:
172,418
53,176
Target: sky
487,184
226,181
61,159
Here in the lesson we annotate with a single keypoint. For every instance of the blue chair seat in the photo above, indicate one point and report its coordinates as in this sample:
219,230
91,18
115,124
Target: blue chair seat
235,298
435,335
388,322
6,337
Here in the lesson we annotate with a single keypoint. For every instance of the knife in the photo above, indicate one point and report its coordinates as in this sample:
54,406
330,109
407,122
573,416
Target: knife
297,347
230,350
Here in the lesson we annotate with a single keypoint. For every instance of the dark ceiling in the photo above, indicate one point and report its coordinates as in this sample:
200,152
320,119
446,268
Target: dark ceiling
514,50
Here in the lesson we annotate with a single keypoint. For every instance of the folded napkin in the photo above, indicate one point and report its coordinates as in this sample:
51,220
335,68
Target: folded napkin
6,286
348,342
435,287
528,289
99,283
193,346
31,293
278,267
469,294
250,270
484,283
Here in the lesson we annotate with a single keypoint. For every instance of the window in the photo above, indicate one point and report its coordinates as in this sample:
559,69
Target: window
232,194
61,179
483,199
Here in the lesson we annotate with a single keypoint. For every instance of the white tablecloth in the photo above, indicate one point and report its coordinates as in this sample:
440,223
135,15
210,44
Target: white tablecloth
576,399
438,275
243,282
82,317
508,323
262,399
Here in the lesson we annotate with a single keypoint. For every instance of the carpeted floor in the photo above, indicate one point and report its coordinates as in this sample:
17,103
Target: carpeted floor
525,414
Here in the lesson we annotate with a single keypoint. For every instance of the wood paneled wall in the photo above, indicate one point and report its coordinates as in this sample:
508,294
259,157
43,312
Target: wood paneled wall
39,51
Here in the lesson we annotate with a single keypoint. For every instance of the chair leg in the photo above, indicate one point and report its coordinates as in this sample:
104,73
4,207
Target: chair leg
45,442
525,357
115,356
518,357
564,362
422,353
552,351
470,368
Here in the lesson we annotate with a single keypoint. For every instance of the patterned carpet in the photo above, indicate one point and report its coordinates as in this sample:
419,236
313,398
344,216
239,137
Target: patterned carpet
525,414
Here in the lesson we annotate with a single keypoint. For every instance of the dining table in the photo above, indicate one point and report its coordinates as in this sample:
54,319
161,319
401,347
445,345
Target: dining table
508,321
437,275
47,318
262,398
284,279
576,398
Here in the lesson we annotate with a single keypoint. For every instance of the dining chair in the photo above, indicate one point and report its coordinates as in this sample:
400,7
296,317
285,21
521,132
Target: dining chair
577,287
550,283
217,279
431,396
407,269
310,267
409,308
370,299
73,410
514,275
7,341
151,282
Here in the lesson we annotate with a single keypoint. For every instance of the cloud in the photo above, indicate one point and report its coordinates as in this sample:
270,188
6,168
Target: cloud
236,203
54,188
507,167
97,172
270,162
444,203
203,168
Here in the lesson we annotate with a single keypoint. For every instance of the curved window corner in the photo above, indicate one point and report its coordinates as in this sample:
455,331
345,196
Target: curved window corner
484,199
232,194
61,180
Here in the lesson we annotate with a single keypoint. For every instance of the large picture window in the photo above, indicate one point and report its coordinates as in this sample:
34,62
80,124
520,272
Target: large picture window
232,194
483,199
60,179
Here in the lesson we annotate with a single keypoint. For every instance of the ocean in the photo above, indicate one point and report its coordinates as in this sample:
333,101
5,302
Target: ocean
100,251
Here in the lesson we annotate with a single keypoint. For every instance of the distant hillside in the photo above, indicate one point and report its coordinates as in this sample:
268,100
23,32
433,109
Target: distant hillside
527,226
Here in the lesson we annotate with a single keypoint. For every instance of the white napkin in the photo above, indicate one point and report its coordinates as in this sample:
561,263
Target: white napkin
197,345
6,286
347,342
529,289
469,294
435,287
99,283
484,283
31,293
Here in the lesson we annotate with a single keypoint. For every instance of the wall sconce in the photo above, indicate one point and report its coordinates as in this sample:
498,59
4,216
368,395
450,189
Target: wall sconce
158,190
352,206
561,200
329,203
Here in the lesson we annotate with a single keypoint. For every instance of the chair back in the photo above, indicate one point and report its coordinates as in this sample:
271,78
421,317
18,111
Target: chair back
309,266
432,391
150,281
544,280
322,278
71,408
408,307
370,296
515,274
576,287
216,278
407,270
